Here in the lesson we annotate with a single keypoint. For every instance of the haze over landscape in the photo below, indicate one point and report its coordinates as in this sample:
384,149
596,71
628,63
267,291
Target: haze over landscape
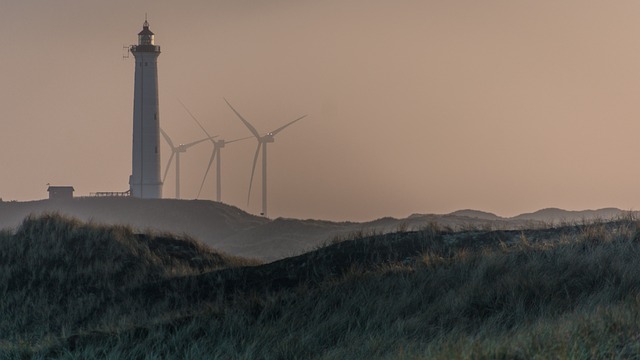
414,106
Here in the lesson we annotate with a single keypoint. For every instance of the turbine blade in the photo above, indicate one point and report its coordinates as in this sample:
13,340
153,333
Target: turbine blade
234,140
167,139
213,155
247,124
253,170
274,132
186,146
166,171
196,120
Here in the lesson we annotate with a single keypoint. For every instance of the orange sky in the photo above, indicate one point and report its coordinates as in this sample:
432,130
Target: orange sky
414,106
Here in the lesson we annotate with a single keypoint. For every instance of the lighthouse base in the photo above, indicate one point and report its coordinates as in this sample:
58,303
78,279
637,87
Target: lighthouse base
146,190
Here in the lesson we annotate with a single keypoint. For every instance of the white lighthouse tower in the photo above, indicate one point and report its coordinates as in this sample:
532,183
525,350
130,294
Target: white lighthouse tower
145,176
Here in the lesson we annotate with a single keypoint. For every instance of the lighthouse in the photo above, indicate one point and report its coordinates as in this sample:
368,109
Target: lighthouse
144,181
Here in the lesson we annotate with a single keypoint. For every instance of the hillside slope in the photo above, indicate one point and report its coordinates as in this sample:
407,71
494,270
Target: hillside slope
207,221
232,230
559,215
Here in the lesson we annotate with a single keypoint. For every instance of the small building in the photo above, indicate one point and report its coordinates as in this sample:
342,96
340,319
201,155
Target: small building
60,192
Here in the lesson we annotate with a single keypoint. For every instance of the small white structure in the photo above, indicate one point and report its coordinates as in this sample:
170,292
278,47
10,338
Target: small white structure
60,192
144,181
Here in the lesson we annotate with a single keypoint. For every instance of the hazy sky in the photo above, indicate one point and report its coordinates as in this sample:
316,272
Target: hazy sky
414,106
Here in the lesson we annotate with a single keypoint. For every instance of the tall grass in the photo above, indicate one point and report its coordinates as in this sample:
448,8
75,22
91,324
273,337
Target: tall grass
572,292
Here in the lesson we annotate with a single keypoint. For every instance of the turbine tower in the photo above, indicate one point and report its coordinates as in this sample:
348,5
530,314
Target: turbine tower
144,181
215,154
176,151
262,144
217,145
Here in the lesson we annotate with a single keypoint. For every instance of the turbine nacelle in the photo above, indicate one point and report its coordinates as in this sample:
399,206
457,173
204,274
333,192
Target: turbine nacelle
181,148
267,138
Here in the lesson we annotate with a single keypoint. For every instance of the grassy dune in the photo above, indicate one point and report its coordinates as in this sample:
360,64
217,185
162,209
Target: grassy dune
58,276
76,290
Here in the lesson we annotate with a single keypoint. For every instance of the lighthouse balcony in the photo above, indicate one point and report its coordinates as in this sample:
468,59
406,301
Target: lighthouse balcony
145,48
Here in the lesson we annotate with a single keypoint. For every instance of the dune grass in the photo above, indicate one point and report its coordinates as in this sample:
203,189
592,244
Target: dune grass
572,292
57,275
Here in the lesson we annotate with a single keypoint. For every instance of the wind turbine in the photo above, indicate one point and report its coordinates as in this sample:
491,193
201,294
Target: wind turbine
262,144
175,151
217,145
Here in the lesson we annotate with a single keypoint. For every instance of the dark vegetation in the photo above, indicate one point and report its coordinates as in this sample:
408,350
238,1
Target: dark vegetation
76,290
